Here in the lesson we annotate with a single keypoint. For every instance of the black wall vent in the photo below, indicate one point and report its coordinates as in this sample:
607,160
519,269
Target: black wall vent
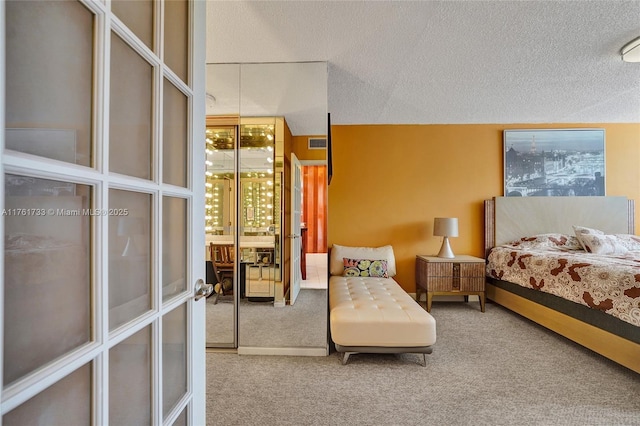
317,143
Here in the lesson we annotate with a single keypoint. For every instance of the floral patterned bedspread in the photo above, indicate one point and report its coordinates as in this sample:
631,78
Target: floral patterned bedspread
609,283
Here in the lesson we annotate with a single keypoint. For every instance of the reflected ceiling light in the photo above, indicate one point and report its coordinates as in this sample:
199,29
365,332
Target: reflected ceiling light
631,51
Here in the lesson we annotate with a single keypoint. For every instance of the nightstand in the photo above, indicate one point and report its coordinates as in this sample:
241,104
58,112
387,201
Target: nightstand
459,276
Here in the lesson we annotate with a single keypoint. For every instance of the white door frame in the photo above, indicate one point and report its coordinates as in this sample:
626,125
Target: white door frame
296,237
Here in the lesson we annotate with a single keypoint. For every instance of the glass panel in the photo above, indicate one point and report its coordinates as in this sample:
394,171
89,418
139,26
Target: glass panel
174,357
219,218
223,110
137,16
49,84
176,37
257,225
174,246
175,133
182,419
67,402
130,380
129,256
219,175
130,111
47,272
259,324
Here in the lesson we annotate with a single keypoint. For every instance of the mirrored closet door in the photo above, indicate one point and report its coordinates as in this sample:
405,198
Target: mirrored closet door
222,129
252,111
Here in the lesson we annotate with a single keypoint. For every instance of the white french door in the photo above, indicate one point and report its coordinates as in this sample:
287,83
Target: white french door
296,228
103,216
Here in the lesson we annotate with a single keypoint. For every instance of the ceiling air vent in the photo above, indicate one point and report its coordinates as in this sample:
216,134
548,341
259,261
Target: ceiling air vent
317,143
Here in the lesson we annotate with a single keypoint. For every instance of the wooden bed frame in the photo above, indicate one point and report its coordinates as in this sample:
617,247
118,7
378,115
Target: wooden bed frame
509,218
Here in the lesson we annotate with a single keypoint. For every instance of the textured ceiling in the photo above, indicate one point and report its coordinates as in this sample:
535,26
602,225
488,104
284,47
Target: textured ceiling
432,62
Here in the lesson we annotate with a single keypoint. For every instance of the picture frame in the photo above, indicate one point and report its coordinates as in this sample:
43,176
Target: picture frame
554,162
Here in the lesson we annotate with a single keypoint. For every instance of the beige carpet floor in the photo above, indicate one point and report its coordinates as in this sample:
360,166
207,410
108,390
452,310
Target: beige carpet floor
494,368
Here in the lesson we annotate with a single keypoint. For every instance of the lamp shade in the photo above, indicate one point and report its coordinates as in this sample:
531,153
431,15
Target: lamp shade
631,51
445,226
128,225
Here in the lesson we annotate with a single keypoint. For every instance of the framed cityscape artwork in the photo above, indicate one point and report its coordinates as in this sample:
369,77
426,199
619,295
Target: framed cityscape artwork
554,162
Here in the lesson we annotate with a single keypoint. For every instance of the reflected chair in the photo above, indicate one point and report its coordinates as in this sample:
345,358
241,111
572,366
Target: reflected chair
220,269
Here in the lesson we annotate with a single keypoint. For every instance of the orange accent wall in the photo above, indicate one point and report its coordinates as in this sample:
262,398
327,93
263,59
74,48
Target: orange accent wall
300,145
390,181
314,208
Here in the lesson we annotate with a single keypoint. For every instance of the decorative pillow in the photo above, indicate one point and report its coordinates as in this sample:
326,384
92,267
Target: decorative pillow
603,244
544,241
582,231
365,268
630,241
338,253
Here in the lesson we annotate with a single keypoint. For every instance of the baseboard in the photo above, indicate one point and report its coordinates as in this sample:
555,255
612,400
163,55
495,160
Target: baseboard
254,350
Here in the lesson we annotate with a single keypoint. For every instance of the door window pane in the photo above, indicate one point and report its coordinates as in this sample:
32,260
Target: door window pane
175,134
47,272
129,256
176,37
181,420
174,357
130,380
130,111
49,66
67,402
174,246
137,16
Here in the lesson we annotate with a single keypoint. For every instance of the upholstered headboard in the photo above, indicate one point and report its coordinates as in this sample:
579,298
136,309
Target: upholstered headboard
510,218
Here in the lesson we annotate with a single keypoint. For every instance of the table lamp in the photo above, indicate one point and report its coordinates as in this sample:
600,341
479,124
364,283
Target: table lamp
445,227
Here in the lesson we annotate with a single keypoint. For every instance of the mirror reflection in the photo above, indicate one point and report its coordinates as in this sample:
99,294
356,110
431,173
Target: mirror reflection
267,293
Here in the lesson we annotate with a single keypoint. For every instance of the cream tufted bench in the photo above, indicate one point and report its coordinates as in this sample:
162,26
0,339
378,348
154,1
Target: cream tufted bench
375,315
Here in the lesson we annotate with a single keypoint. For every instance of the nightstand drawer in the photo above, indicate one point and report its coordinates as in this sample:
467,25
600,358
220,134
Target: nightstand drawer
455,284
453,276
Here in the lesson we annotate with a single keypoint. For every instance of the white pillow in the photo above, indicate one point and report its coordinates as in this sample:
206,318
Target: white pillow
630,241
603,244
583,231
338,252
596,241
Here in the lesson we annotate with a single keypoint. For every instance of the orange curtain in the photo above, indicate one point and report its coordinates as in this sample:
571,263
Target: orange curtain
314,207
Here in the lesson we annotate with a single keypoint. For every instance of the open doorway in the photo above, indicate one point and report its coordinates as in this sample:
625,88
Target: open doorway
314,218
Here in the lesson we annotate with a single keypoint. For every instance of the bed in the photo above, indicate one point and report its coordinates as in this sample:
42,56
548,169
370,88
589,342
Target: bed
571,264
369,311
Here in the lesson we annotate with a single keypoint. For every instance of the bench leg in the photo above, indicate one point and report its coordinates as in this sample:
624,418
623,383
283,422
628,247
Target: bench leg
345,357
